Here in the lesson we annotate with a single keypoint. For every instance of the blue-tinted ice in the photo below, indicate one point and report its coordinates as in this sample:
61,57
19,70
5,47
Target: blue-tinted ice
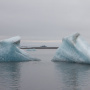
73,49
10,51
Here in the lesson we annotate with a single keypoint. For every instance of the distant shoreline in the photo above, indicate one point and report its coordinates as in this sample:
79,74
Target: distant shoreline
39,47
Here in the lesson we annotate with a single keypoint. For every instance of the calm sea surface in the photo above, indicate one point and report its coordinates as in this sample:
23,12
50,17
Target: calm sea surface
44,74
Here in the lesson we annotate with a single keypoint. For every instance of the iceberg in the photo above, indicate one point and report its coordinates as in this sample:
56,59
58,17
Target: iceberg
14,40
73,49
10,51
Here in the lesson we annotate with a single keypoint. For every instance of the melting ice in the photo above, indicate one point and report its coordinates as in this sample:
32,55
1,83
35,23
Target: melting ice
10,51
73,49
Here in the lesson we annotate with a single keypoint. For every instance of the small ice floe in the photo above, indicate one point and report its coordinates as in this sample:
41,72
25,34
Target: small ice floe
30,49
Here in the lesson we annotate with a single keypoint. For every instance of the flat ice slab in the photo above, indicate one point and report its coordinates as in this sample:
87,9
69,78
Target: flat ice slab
73,49
10,51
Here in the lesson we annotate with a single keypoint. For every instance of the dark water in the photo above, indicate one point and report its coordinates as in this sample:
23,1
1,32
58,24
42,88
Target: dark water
44,74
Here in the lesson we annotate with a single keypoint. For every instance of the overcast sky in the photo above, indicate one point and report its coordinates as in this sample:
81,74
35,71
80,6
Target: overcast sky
44,19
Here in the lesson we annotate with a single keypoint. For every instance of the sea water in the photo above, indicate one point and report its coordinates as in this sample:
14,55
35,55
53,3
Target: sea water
44,74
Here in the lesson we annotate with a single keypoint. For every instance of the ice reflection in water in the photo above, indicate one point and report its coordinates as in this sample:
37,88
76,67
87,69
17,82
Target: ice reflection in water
44,74
9,76
73,76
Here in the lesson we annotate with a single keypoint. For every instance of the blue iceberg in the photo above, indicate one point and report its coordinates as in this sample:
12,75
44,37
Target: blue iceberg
10,51
73,49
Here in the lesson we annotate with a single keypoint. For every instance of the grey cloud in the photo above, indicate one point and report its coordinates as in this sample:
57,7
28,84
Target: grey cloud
45,19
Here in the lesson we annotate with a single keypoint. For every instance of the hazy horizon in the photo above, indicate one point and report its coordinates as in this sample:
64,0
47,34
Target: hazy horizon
44,20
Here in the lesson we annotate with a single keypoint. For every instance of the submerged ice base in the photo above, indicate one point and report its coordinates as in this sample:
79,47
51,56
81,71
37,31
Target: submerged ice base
73,49
10,51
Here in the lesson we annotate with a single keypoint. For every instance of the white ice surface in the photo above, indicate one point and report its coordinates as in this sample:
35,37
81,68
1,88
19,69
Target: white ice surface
73,49
9,51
